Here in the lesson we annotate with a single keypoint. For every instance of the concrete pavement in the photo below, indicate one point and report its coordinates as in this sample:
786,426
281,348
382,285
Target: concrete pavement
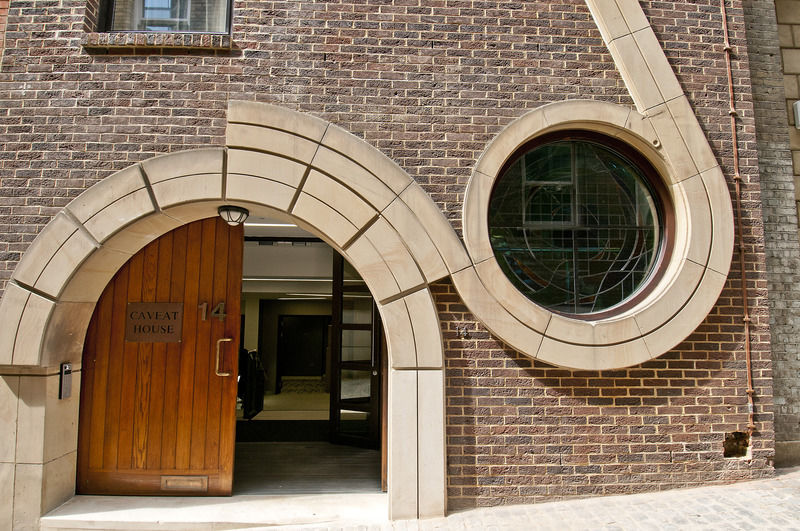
761,505
755,505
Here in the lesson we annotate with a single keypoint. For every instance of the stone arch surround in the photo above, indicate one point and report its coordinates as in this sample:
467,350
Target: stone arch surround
682,294
281,164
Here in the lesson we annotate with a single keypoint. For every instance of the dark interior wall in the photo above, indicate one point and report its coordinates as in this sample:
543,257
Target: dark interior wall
302,345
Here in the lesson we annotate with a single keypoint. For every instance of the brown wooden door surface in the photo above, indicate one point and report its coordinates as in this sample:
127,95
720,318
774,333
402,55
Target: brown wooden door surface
155,418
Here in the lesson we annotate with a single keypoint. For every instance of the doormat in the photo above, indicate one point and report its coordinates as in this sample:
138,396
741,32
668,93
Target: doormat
302,384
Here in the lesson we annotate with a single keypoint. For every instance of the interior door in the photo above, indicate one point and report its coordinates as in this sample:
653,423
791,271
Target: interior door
157,413
355,414
302,345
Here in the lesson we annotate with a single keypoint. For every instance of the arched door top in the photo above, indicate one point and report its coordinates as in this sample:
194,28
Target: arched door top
277,163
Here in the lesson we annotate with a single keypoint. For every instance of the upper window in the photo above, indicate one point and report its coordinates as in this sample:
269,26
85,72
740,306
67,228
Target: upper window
189,16
575,222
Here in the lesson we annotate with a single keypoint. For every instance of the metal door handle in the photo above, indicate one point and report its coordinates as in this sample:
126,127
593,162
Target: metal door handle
216,368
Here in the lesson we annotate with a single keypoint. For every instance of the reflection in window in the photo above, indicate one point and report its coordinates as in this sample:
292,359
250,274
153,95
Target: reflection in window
203,16
574,226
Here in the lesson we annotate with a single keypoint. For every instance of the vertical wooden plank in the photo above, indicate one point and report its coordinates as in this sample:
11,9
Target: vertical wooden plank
227,435
188,347
173,352
85,406
227,350
115,356
155,414
130,354
95,359
141,404
204,350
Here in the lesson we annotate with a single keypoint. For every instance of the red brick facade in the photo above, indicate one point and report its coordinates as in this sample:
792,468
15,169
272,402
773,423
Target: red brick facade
3,17
429,84
520,431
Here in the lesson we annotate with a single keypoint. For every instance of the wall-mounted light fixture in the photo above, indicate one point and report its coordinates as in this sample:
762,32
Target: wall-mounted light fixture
796,107
233,215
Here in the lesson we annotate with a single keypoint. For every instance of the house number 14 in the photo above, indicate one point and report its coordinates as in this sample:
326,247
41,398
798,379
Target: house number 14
218,311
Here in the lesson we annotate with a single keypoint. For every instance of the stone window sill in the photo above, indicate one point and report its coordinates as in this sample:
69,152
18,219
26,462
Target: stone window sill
135,42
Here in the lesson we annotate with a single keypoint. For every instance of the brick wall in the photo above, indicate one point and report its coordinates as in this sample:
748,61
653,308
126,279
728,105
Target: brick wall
429,84
777,74
788,18
3,17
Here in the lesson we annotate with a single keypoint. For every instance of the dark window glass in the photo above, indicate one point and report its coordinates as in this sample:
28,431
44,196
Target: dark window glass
204,16
575,226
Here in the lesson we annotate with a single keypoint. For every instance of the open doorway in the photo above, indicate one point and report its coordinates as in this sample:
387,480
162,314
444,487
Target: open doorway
311,386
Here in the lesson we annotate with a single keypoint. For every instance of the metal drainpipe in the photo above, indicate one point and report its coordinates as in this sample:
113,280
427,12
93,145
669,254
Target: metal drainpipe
737,179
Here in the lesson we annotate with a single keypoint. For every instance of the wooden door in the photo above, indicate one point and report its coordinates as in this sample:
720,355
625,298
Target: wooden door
158,417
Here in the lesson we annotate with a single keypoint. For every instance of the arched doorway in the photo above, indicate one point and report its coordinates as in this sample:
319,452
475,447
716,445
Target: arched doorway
282,165
161,390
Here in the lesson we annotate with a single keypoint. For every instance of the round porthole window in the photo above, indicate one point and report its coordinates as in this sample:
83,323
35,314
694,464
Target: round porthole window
592,244
578,222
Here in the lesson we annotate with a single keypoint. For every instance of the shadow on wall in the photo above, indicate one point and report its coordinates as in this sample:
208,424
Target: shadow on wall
521,431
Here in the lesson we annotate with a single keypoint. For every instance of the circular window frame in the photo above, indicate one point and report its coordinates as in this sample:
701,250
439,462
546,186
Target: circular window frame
679,297
653,182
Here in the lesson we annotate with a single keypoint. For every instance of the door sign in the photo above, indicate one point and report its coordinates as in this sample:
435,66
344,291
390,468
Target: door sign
154,322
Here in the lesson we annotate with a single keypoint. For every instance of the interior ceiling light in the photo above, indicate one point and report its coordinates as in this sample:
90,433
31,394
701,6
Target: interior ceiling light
328,295
274,279
258,224
233,215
